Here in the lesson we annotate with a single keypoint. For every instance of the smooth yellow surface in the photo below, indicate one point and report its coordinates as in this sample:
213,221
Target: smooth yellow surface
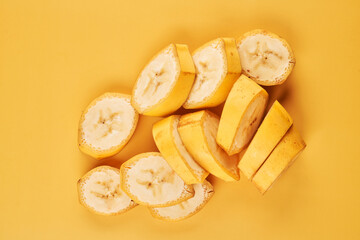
56,56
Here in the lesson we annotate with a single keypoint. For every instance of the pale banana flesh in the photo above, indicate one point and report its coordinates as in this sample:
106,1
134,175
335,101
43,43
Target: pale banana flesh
265,57
100,192
203,192
149,180
284,154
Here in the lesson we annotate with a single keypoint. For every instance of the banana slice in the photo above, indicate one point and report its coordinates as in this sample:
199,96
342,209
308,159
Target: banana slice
198,133
276,123
165,82
265,57
99,191
284,154
241,116
149,180
106,125
218,66
203,192
168,141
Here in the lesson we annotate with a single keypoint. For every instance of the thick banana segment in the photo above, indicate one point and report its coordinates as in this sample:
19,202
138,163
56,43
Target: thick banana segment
279,160
99,191
203,192
149,180
169,143
241,116
265,57
198,133
276,123
165,82
106,125
218,66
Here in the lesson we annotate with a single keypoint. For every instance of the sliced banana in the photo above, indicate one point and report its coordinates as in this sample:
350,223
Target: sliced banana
241,116
165,82
149,180
265,57
99,191
169,143
284,154
276,123
198,132
203,192
106,125
218,66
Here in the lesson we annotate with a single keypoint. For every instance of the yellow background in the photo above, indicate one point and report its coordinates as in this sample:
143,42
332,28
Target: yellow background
56,56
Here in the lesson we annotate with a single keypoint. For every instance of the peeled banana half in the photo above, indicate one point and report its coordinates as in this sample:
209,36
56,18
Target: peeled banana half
165,82
149,180
203,192
106,125
198,131
265,57
241,116
217,68
99,191
276,123
169,143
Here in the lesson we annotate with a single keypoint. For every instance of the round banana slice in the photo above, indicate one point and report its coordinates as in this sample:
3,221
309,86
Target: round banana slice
165,82
106,125
99,191
203,192
169,143
265,57
149,180
217,66
241,116
198,132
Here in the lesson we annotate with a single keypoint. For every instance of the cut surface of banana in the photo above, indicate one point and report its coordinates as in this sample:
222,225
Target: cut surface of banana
217,66
149,180
203,192
284,154
276,123
241,116
265,57
99,191
165,82
169,143
198,132
106,125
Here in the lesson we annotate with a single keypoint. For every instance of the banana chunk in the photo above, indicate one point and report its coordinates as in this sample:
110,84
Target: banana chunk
284,154
265,57
149,180
99,191
107,125
198,132
165,82
241,116
169,143
203,192
218,66
276,123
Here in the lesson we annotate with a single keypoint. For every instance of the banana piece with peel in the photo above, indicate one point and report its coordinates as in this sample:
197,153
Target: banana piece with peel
107,125
203,192
165,82
284,154
99,191
149,180
241,116
168,141
265,57
217,68
275,125
198,132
